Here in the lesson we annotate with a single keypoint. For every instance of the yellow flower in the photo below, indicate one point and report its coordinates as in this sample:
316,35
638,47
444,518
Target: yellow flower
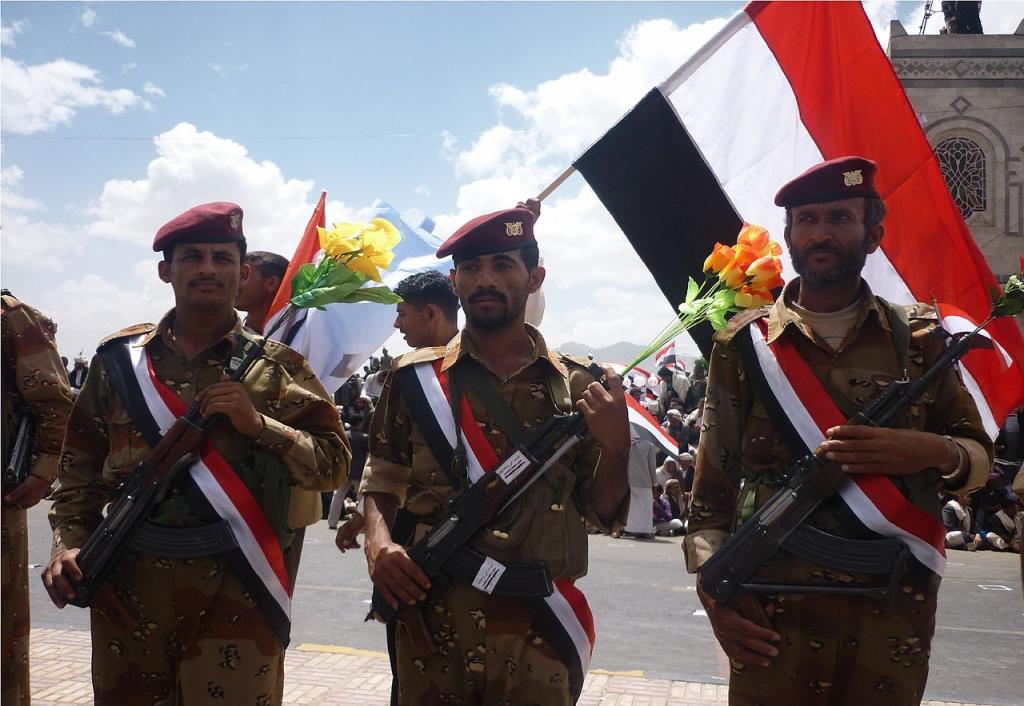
377,240
765,273
340,239
720,256
749,297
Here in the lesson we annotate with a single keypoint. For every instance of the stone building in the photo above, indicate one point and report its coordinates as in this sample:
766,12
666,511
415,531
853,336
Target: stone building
968,90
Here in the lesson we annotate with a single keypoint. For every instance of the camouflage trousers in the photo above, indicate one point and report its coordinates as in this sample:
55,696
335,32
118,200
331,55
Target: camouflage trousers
842,650
488,654
185,632
14,673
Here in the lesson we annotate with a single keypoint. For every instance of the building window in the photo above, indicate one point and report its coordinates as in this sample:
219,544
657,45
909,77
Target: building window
963,165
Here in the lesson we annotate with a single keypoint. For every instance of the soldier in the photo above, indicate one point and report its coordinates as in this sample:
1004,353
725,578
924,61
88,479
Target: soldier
493,648
35,383
197,609
256,293
426,316
810,648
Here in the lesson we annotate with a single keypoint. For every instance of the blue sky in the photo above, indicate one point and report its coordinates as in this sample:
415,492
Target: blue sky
117,116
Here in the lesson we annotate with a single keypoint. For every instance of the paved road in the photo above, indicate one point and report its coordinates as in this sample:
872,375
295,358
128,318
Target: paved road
648,615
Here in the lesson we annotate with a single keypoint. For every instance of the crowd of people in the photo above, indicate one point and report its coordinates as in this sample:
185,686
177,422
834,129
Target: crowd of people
196,607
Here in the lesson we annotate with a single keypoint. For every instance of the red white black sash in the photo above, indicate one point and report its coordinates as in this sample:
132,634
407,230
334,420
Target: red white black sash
258,560
564,617
874,500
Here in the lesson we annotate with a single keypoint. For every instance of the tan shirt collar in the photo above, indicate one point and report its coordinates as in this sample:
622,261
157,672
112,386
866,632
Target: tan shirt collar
782,315
164,330
462,345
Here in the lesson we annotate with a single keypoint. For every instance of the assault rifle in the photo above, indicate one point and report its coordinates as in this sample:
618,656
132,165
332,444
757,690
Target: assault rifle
478,504
20,463
145,487
778,524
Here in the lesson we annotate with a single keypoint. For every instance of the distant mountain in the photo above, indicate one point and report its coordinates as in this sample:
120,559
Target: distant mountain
622,352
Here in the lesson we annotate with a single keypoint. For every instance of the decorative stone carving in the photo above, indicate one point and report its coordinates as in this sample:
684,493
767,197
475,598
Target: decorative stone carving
963,164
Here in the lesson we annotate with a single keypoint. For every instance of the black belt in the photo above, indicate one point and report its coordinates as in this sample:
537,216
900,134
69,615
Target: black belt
521,579
184,542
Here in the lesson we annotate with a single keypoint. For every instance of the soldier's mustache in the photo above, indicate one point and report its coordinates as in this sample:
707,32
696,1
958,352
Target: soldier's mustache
487,295
197,282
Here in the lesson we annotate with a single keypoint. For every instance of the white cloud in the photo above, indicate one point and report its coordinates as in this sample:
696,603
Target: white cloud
597,290
151,89
10,187
130,66
422,190
193,167
120,38
88,18
9,32
225,69
41,97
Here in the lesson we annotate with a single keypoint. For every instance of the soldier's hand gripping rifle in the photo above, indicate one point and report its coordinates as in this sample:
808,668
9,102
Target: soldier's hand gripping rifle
477,505
19,465
144,488
813,479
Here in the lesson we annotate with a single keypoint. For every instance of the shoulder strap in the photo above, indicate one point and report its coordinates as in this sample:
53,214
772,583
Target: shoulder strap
901,335
118,365
471,376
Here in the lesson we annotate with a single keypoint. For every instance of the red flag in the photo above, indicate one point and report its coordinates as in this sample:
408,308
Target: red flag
307,250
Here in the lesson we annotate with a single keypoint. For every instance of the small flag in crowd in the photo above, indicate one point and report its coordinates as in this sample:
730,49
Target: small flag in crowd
666,358
781,87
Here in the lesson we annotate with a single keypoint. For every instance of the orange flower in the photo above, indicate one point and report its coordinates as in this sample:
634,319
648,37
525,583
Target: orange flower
765,272
749,297
757,238
719,258
734,274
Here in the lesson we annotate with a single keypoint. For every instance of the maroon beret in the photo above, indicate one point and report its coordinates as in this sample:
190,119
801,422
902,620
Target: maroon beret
217,222
511,229
836,179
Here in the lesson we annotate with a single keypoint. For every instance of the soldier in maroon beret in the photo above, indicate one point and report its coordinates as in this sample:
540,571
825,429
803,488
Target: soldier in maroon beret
197,606
816,640
496,267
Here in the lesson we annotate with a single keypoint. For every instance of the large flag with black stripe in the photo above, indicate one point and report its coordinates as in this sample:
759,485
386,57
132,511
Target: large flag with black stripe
780,88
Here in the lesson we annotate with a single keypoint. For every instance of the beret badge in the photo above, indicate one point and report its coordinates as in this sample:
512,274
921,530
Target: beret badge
514,229
236,220
854,178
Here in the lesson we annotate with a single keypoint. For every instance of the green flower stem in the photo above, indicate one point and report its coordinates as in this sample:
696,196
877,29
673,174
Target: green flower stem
683,322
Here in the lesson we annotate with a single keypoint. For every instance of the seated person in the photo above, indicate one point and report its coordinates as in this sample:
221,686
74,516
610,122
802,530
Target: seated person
664,523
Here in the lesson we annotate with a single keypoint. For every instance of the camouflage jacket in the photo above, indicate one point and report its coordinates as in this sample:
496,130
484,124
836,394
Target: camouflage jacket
739,443
302,431
545,523
33,375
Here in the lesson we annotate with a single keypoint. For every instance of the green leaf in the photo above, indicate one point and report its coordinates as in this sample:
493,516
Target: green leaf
303,279
379,295
691,291
717,319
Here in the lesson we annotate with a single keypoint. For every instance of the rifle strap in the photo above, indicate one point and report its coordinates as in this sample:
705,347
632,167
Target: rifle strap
472,377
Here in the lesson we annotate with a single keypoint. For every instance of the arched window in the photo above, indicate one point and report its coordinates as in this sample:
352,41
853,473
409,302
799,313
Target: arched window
963,165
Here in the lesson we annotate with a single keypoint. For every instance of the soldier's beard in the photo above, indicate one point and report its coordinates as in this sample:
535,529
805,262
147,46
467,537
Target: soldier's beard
498,317
847,269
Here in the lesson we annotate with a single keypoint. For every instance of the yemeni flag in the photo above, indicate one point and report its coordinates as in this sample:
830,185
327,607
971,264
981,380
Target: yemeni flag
781,87
646,426
666,358
340,339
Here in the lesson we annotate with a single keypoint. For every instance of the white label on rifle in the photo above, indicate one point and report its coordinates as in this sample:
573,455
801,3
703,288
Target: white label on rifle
512,466
488,575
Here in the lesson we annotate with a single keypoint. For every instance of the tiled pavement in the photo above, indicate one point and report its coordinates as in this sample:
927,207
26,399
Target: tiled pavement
326,675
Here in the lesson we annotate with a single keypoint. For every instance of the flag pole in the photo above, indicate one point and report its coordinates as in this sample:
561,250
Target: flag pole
559,180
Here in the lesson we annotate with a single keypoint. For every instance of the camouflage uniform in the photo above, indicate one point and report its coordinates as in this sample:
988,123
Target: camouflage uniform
488,652
34,375
834,649
186,630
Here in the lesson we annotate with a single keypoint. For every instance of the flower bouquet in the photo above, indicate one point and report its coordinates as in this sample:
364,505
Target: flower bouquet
736,277
353,254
